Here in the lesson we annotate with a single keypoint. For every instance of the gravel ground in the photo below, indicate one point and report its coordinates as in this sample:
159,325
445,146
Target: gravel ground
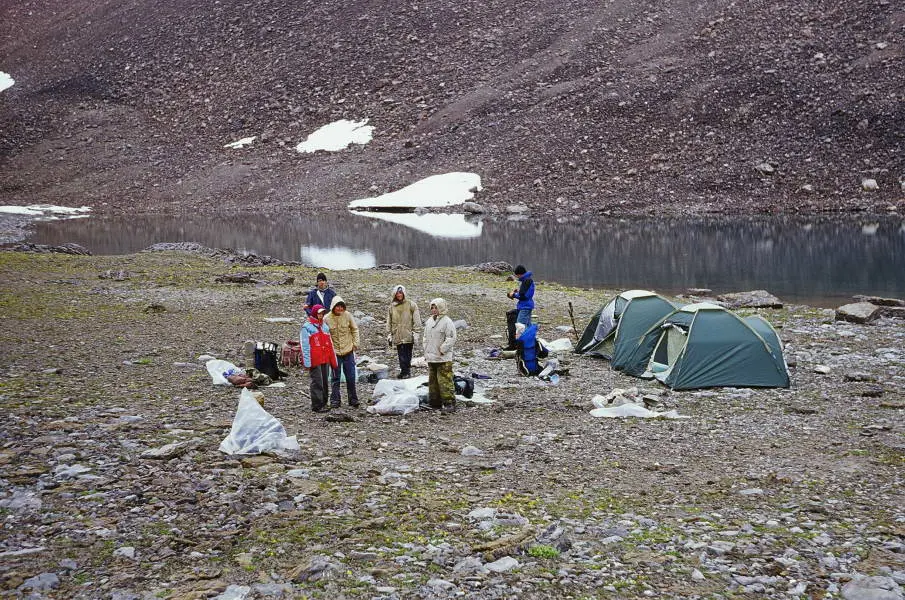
759,493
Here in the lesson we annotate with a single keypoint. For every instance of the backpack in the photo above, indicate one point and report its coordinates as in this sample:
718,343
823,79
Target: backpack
267,360
291,355
464,386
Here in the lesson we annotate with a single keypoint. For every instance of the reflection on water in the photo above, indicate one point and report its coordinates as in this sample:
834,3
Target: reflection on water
338,258
436,224
816,261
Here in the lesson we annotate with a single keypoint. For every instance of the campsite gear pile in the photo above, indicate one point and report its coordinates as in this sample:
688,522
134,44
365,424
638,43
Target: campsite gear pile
699,345
254,430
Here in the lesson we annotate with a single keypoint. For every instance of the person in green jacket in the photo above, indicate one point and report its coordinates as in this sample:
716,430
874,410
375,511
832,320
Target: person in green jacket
403,325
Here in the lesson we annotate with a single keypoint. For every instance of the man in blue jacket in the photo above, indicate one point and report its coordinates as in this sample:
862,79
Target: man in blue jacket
524,293
321,294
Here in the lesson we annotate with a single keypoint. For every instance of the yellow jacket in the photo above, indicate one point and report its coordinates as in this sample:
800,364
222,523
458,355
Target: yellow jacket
343,329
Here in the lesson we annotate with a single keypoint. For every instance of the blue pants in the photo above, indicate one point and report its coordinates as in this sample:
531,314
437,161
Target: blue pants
524,317
347,364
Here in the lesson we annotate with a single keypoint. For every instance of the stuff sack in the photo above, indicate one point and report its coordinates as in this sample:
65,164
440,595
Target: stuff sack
267,360
291,355
464,386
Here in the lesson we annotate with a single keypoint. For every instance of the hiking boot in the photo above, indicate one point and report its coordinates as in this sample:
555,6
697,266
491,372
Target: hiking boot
320,409
448,410
334,405
355,404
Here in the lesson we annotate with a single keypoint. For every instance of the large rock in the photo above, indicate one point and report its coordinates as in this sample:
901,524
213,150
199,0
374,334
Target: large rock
872,588
752,299
858,312
879,300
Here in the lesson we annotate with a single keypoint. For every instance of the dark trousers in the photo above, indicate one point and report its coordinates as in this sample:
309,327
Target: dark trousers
441,391
405,358
511,316
346,365
320,379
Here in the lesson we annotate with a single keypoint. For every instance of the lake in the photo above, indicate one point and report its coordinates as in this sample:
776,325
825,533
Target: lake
819,261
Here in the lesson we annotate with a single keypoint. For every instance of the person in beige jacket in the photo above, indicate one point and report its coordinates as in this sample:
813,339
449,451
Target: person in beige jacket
439,341
344,333
403,325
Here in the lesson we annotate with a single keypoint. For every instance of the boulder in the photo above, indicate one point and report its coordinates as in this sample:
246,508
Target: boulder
752,299
858,312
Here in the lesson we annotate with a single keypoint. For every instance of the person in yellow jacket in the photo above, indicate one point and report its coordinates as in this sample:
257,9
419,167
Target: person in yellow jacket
403,325
344,332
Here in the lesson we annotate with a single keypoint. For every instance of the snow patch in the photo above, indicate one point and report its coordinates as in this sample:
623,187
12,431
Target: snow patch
337,136
47,211
338,257
454,226
447,189
246,141
6,81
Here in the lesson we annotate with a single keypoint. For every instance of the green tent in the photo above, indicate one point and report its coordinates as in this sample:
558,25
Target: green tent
704,345
621,321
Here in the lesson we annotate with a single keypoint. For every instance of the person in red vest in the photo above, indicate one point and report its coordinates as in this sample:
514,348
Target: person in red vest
318,356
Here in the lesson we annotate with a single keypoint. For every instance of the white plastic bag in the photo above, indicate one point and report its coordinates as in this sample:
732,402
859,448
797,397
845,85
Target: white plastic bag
255,430
399,402
218,370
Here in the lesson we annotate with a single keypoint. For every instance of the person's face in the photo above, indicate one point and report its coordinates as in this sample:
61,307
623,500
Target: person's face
321,284
320,315
434,310
399,296
339,309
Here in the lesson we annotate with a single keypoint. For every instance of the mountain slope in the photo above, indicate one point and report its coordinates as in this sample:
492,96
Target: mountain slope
571,108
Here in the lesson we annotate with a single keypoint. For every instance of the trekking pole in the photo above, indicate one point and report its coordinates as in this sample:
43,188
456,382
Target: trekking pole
572,316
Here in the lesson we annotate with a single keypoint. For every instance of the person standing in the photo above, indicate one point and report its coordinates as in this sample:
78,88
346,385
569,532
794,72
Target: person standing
317,356
403,325
439,340
524,294
344,333
321,294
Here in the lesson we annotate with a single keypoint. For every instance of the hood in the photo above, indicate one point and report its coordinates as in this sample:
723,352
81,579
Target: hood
442,309
398,288
337,300
526,275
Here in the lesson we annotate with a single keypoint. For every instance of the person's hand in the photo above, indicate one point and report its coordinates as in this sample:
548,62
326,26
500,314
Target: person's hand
509,295
354,348
389,340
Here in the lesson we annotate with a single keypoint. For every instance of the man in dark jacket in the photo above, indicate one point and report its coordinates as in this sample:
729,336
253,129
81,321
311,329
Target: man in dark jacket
320,294
524,293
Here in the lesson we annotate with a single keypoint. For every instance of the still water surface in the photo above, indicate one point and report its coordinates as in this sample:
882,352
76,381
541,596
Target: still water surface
816,261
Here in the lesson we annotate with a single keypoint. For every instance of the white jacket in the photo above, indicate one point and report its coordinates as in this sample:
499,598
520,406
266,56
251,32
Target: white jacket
439,335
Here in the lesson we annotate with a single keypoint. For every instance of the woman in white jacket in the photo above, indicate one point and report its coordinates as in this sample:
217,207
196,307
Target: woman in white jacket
439,339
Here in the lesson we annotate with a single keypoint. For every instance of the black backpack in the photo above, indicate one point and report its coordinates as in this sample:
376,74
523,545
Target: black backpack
464,386
267,359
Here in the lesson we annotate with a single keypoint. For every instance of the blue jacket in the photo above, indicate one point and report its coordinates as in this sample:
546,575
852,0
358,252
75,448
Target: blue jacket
313,299
528,350
525,293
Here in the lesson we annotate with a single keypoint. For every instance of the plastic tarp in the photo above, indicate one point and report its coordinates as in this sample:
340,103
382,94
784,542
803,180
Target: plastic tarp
255,430
218,370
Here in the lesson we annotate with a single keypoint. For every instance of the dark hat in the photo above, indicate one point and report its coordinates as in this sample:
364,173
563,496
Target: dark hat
520,270
321,277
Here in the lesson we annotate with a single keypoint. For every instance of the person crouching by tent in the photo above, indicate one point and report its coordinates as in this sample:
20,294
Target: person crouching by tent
439,340
524,293
344,333
317,356
528,349
403,325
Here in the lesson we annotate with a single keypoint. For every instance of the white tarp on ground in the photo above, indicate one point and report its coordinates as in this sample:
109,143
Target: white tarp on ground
337,136
447,189
622,403
255,430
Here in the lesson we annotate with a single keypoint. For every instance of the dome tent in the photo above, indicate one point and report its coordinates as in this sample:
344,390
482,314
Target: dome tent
620,322
704,345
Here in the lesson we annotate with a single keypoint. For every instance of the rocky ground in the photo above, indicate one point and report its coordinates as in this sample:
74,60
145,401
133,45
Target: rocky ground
571,108
760,493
